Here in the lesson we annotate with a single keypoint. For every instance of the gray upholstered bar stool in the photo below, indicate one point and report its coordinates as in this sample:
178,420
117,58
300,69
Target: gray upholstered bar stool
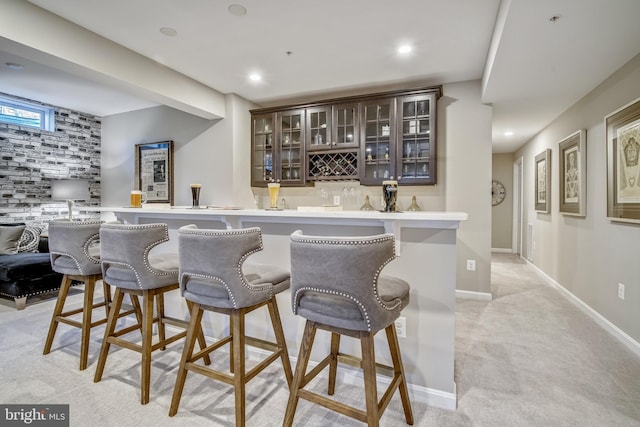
336,284
75,252
215,277
129,265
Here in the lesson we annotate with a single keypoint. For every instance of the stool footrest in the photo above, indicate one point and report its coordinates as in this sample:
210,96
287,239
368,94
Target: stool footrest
334,405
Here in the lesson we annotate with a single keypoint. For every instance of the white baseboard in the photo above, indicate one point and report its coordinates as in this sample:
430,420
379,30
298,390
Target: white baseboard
502,250
480,296
618,333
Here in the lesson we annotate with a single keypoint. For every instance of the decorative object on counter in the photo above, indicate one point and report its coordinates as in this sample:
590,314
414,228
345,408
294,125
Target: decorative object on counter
367,205
195,195
390,194
274,189
413,207
137,198
70,190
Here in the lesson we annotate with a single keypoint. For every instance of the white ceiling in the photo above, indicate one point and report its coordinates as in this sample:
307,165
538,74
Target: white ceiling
532,68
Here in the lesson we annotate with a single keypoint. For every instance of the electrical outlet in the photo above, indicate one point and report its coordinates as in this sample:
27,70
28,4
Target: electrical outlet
401,327
471,264
336,200
621,291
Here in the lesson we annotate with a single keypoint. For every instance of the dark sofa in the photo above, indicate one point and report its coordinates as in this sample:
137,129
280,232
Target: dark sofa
28,273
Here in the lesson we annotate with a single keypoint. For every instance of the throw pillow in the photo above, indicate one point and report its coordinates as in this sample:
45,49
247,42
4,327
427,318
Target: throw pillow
9,238
30,239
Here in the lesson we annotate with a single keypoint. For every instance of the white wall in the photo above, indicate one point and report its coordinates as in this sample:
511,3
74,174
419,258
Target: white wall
209,152
465,135
502,214
588,256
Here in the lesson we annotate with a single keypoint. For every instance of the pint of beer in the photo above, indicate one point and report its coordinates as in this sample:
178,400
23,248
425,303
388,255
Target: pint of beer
138,198
274,189
390,195
195,195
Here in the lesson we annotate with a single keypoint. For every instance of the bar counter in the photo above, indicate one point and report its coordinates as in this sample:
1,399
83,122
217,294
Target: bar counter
426,258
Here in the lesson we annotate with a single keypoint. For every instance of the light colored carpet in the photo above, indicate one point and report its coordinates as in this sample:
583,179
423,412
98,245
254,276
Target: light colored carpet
527,358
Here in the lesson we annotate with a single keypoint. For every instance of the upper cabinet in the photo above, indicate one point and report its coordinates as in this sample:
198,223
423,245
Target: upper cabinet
378,140
415,152
278,148
332,127
368,138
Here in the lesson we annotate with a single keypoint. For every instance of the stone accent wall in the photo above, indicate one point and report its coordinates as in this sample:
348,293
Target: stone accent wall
30,159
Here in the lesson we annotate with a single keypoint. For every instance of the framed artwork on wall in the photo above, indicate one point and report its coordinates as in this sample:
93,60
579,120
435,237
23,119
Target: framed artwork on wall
154,171
543,181
623,165
572,164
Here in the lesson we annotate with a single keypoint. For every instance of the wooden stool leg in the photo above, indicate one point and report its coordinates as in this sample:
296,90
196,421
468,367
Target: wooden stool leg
280,340
147,335
201,340
231,355
106,289
195,328
370,386
57,311
398,368
239,376
135,301
301,369
109,330
87,310
333,364
160,314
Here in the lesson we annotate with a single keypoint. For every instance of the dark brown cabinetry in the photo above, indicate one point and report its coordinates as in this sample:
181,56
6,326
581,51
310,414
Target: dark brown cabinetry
369,138
378,140
278,148
415,152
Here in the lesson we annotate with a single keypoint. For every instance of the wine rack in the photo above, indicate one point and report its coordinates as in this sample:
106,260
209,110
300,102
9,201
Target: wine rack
333,165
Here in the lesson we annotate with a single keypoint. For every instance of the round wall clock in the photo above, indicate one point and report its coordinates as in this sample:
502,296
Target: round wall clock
497,192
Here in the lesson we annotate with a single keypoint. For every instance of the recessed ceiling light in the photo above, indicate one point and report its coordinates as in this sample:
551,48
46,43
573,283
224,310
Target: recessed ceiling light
168,31
255,77
405,48
14,65
237,10
508,133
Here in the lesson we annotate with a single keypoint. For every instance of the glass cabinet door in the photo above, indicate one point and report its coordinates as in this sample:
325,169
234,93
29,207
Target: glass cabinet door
262,170
376,144
345,126
415,152
291,147
318,128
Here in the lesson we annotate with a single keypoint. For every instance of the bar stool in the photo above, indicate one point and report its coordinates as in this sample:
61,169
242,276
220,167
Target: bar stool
215,277
130,267
74,248
337,286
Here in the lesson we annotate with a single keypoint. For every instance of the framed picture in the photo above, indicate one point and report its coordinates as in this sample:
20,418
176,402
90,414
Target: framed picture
572,166
623,166
543,181
154,171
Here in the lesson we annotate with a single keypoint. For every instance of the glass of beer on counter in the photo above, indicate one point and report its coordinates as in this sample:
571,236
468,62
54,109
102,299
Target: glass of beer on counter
195,195
274,189
138,198
390,194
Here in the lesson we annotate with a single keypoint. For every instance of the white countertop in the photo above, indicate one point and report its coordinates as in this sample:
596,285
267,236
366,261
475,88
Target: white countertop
289,213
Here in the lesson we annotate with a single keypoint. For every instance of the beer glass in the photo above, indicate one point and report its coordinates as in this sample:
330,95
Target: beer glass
274,189
138,198
390,195
195,195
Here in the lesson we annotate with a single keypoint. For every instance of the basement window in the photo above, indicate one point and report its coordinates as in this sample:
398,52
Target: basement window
26,114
